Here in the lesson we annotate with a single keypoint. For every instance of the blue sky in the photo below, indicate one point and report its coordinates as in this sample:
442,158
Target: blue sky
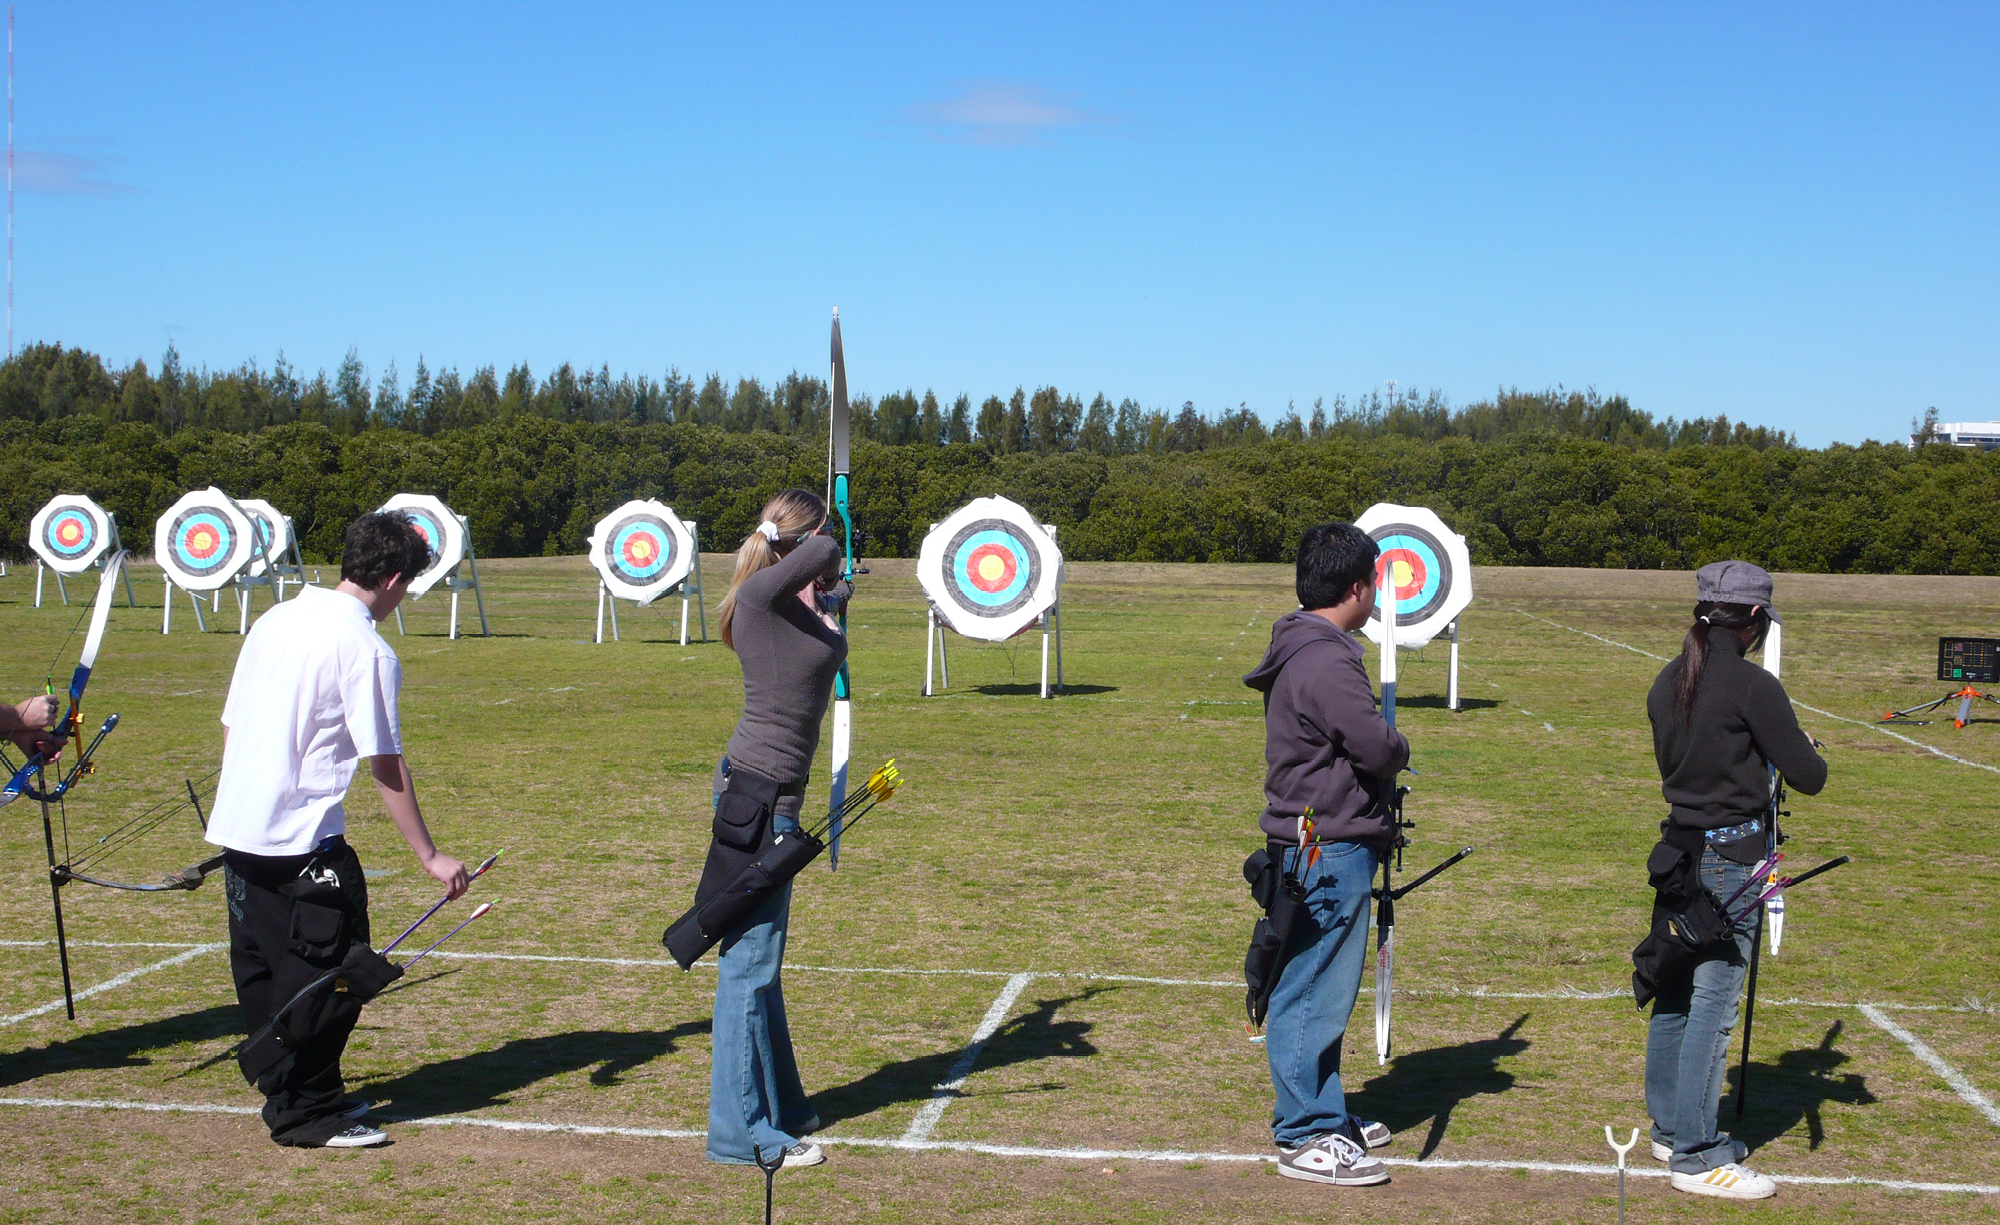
1784,214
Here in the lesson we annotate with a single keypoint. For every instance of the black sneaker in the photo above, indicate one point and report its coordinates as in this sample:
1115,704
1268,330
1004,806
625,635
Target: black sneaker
1332,1158
359,1136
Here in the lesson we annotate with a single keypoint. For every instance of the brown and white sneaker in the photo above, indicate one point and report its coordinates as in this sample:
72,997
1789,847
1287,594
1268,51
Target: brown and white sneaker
1332,1158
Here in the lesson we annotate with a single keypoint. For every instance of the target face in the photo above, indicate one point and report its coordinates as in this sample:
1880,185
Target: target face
1428,565
642,550
990,570
70,533
204,540
442,530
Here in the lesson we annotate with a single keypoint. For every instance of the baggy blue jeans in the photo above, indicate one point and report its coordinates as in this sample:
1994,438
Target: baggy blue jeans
1316,991
1687,1044
755,1097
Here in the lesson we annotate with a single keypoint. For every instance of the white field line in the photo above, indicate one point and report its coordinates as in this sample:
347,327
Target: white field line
1475,993
1935,1062
1932,749
118,981
1000,1150
927,1118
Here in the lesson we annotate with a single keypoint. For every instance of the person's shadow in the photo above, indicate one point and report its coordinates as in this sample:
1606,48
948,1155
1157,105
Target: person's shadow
1430,1084
125,1047
486,1078
1032,1036
1792,1090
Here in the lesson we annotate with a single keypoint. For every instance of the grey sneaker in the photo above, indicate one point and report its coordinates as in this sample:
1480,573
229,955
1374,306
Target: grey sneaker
1332,1158
804,1153
1730,1181
359,1136
1374,1135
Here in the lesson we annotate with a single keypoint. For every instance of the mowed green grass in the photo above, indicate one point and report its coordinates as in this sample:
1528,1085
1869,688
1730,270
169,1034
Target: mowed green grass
1097,835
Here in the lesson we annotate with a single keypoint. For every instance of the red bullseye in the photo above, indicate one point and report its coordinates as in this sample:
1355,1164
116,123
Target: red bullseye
1407,570
990,568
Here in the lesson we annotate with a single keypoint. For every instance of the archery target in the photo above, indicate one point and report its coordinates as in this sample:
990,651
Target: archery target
990,569
204,540
642,550
1429,565
274,533
440,528
70,533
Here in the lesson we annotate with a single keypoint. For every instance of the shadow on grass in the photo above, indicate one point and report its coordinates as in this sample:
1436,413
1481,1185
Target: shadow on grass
1032,1036
1035,690
473,1082
1430,1084
1792,1090
1436,701
125,1047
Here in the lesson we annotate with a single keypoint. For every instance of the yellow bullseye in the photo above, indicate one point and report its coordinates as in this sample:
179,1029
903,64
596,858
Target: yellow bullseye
991,568
1402,571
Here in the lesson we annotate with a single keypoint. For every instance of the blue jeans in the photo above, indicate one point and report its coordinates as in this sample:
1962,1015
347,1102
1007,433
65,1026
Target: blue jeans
1316,991
755,1097
1687,1044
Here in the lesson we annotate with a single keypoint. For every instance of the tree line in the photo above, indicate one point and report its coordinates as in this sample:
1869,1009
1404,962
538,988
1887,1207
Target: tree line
46,382
533,486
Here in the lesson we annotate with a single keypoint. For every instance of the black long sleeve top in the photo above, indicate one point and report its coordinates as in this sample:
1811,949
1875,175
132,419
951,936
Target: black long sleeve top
1714,768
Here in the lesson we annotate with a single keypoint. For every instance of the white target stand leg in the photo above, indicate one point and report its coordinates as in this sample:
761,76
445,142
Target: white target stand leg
400,627
930,647
1451,686
1058,615
458,584
604,597
124,572
453,633
1045,655
167,609
40,570
63,588
242,610
700,596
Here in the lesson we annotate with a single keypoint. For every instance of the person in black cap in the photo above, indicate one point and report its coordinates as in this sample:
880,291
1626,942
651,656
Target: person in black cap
1721,726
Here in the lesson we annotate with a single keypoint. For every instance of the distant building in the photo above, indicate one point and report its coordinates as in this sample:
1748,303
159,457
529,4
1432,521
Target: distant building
1982,434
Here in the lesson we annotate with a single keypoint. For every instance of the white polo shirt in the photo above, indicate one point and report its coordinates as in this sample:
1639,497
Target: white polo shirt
314,692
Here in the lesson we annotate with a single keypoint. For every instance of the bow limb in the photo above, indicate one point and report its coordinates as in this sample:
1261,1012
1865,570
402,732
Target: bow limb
838,469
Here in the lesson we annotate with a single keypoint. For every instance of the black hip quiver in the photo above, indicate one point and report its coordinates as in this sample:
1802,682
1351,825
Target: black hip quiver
1281,896
746,865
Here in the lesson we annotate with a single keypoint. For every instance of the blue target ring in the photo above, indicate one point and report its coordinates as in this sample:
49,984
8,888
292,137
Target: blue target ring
202,542
70,533
428,528
1418,565
990,568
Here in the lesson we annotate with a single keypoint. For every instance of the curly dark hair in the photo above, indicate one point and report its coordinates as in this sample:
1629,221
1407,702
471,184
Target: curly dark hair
381,545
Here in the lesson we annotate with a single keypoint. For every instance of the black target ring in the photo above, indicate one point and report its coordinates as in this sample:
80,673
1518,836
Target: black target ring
1438,578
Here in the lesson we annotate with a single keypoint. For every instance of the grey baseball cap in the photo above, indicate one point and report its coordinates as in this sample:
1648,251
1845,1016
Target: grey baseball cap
1734,582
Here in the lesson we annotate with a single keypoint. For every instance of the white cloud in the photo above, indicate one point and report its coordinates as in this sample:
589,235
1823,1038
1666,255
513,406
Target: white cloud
1001,113
48,173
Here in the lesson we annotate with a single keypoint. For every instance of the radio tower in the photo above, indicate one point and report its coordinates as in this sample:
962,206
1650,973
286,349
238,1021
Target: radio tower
10,182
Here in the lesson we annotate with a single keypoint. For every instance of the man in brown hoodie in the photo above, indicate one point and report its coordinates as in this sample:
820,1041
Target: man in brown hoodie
1329,753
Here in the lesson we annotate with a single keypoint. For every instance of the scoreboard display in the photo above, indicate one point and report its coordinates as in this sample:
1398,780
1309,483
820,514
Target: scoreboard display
1969,659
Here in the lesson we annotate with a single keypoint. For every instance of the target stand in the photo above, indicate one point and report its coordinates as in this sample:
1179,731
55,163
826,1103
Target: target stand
1430,569
643,551
277,561
990,572
70,535
450,538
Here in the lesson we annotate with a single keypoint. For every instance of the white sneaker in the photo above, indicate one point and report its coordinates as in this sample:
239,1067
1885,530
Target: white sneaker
359,1136
1730,1181
1374,1135
1332,1158
804,1153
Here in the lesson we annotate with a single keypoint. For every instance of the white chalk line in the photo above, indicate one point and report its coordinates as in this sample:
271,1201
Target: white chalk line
1147,980
943,1095
1001,1150
1872,726
1936,1063
118,981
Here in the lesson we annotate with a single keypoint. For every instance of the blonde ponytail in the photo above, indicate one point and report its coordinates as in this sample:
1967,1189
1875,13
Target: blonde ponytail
795,513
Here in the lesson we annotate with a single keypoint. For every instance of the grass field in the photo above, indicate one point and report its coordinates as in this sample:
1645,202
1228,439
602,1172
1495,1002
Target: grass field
1059,879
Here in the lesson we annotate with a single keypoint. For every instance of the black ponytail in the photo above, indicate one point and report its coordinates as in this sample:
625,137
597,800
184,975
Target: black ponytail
1694,647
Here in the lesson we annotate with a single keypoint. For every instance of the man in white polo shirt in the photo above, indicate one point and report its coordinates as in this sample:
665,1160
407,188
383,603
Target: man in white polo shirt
314,692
